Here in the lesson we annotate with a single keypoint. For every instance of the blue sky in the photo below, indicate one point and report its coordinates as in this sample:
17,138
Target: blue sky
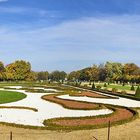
69,34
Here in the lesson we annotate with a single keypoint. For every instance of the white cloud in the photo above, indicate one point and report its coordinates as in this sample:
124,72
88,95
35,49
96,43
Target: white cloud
86,40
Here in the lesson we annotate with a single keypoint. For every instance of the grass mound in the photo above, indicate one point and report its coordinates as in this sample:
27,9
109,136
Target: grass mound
10,96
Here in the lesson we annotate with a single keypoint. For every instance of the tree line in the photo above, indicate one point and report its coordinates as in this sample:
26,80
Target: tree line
108,72
21,70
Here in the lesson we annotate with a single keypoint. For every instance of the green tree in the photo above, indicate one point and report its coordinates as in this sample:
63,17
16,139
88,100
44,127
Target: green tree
85,74
114,71
43,75
57,75
74,76
102,72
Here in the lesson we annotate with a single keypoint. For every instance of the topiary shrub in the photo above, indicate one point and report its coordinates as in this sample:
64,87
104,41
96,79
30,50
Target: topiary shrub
123,92
93,86
105,85
137,93
99,87
123,84
132,88
79,84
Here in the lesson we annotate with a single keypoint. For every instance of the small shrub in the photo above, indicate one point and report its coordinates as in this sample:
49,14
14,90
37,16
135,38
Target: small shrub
114,90
99,87
137,93
123,92
85,85
123,84
132,88
105,85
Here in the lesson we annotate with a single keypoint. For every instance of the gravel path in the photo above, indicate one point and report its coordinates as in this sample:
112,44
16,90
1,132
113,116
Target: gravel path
46,110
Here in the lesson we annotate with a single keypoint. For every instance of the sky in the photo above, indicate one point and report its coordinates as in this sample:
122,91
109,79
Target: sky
69,34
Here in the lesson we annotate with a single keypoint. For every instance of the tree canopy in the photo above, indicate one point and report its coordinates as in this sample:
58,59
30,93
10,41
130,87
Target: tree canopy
21,70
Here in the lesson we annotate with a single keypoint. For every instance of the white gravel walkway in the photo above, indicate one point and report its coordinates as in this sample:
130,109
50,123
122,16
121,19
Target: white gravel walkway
120,101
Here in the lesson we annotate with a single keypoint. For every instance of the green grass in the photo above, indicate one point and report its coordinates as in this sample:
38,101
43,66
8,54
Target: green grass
117,86
120,87
9,96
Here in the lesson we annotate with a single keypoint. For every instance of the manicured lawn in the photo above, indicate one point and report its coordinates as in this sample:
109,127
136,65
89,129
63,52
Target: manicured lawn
117,86
9,96
126,87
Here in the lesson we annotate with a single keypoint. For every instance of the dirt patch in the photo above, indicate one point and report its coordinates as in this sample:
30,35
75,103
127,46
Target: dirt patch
71,104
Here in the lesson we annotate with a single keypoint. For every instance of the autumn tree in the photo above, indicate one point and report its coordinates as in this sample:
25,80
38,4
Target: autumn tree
84,74
19,70
2,72
74,76
131,72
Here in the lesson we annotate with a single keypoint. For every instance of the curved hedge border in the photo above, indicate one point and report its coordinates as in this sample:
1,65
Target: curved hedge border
54,126
98,106
118,94
17,107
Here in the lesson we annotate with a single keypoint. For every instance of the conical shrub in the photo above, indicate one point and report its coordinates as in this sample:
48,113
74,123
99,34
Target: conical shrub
137,93
132,88
93,86
105,85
